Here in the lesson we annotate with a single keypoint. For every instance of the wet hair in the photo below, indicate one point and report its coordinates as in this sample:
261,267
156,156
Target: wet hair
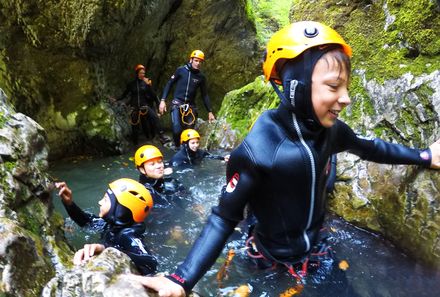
342,60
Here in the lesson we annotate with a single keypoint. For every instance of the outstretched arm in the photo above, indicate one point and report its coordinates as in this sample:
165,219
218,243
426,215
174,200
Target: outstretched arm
76,213
243,183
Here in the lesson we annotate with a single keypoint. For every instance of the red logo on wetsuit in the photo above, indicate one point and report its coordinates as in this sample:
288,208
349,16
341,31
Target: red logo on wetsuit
232,183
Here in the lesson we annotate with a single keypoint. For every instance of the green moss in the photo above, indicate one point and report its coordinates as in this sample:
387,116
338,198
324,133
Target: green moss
3,119
10,166
409,44
269,16
32,217
351,208
242,107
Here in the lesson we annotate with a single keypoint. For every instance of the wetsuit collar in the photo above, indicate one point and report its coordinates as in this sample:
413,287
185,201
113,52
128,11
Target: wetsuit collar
157,184
190,68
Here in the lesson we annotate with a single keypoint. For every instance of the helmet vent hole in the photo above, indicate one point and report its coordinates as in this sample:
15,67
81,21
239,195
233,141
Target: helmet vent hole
311,32
136,194
142,155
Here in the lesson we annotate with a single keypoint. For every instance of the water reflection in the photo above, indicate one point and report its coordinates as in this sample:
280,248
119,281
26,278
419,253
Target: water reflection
375,267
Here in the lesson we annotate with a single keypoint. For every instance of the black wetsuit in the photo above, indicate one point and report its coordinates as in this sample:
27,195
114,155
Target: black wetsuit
142,100
126,239
189,157
163,190
280,170
187,81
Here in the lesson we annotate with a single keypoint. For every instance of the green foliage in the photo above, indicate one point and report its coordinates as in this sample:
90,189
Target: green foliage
3,119
241,107
410,43
269,16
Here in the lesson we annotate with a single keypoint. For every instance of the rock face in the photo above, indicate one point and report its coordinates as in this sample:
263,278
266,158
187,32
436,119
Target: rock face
61,61
30,234
35,259
103,275
395,95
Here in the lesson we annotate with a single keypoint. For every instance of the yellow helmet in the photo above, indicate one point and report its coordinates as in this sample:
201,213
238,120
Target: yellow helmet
294,39
197,54
134,196
188,134
146,153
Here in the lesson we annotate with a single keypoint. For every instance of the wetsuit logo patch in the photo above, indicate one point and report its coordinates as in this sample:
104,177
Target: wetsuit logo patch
232,183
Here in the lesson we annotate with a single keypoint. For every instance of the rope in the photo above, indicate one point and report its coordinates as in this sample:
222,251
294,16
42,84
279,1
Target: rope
137,114
186,110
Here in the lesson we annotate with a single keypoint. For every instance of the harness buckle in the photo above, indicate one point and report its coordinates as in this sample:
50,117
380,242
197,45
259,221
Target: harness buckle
184,107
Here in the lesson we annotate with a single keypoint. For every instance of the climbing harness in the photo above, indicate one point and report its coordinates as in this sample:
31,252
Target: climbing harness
297,269
136,114
186,112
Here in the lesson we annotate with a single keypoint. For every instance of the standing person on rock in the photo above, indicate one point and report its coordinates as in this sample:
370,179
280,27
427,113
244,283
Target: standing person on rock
142,101
281,168
187,79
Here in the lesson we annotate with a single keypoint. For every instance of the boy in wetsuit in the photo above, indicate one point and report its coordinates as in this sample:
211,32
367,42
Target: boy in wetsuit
189,152
122,212
281,168
149,162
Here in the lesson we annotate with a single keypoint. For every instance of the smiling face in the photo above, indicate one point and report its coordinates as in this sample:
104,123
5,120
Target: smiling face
153,168
330,80
104,205
194,144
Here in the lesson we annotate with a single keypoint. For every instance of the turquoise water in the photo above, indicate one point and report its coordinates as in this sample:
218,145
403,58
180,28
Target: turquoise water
375,267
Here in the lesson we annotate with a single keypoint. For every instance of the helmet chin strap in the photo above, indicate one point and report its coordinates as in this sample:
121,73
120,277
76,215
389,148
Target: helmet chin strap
295,88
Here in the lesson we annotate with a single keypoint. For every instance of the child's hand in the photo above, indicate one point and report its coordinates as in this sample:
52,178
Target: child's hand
435,154
160,284
88,251
65,193
226,158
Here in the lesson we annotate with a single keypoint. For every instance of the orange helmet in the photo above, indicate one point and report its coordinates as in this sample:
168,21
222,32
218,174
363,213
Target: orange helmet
139,67
132,195
188,134
197,54
146,153
294,39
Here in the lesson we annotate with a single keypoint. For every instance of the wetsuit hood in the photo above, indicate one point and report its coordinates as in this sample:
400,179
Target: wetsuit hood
191,154
296,75
118,215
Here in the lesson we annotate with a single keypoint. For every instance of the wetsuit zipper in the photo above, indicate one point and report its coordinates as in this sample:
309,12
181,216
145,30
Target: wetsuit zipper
313,168
187,85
